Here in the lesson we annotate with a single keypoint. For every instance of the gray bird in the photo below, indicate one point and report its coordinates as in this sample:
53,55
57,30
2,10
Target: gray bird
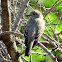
33,30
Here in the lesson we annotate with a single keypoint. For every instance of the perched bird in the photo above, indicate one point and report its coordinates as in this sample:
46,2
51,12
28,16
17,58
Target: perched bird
33,30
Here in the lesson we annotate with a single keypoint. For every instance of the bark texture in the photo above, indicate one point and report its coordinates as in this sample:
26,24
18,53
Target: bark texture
7,38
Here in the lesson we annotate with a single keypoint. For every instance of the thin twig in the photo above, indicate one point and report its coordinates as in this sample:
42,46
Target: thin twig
58,55
59,33
31,58
12,32
39,53
24,59
53,24
36,4
20,15
48,11
51,55
49,41
55,3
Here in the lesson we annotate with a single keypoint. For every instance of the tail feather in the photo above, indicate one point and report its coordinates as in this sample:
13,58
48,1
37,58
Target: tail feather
35,42
26,41
28,49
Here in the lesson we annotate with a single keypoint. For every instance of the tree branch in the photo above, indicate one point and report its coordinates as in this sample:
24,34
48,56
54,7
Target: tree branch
50,44
39,53
53,7
12,32
9,39
20,15
51,55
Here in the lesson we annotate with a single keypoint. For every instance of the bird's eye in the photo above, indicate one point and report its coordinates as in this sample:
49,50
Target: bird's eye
33,14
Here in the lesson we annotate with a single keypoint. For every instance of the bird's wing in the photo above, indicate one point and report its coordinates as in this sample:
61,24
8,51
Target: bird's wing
26,35
26,29
40,28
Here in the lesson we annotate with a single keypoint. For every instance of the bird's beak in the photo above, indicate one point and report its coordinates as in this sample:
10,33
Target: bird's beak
28,15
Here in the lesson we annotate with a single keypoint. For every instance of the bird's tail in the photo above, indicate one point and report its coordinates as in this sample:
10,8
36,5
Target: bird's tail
35,42
26,41
28,49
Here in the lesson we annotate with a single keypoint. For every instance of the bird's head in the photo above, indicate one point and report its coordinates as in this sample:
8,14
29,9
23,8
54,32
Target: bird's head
35,14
